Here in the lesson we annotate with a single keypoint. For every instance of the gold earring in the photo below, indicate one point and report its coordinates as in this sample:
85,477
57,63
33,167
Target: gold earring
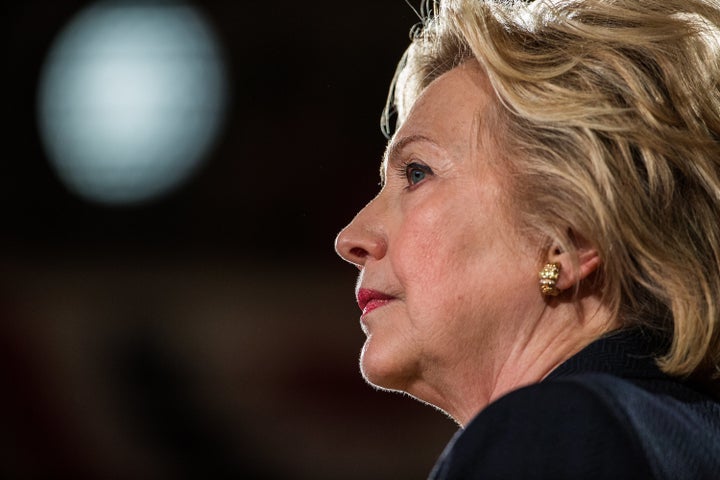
548,279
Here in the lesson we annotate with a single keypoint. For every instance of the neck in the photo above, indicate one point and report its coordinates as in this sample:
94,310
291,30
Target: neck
524,358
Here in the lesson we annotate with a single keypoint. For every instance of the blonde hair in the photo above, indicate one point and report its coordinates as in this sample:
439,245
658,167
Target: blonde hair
610,113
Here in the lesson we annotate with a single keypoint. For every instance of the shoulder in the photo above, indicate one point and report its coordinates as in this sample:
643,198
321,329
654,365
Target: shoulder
565,428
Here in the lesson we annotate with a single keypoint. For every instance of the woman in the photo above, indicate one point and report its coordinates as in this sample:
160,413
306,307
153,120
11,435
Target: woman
542,262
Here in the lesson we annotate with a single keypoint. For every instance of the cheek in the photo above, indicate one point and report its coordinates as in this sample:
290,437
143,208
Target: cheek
434,258
455,258
420,252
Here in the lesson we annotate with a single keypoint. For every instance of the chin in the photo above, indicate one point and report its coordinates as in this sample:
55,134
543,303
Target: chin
384,368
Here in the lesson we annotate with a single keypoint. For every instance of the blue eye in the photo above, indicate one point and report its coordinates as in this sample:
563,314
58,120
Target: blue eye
416,173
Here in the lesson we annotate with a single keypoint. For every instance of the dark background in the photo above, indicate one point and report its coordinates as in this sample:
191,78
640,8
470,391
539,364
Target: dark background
212,333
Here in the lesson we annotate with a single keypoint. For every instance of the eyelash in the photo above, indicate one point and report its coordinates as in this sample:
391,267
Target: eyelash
406,167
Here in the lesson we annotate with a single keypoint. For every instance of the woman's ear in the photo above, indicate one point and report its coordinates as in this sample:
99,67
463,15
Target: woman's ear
574,266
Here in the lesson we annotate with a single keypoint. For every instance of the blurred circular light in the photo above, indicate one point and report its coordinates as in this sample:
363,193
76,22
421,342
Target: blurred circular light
130,99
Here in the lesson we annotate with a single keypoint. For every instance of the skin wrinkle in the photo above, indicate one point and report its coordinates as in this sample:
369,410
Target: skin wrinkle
394,152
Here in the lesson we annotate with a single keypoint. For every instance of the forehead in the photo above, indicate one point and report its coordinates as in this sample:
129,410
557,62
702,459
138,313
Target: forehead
450,112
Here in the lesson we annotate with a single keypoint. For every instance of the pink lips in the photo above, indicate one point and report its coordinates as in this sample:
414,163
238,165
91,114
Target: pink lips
368,300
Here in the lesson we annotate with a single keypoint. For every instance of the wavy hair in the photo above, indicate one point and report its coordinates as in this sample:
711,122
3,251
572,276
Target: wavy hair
610,113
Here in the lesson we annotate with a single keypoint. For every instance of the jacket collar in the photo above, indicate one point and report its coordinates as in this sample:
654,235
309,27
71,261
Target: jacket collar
628,353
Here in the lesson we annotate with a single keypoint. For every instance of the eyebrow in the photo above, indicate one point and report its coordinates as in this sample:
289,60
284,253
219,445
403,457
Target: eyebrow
395,148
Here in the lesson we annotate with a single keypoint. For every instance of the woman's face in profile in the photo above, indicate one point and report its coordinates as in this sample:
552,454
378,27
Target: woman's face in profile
445,279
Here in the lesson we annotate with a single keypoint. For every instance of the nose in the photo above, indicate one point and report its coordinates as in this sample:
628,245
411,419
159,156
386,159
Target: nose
362,239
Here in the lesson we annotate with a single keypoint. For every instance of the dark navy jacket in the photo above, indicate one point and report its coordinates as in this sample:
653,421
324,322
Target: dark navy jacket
606,413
